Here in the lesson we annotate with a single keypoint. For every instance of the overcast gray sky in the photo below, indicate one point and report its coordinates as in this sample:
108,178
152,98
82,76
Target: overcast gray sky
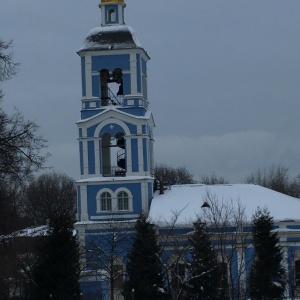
223,78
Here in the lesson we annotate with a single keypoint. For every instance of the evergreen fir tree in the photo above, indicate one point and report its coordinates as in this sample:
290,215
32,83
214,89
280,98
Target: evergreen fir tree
57,270
144,268
204,269
267,275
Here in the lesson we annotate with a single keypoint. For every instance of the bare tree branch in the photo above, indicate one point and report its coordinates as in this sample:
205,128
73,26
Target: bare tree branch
8,67
20,146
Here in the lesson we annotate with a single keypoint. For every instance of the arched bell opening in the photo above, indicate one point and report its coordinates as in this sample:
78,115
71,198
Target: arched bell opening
114,154
111,16
111,87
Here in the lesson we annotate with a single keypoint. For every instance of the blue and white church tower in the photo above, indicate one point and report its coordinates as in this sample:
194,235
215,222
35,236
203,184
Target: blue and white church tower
116,127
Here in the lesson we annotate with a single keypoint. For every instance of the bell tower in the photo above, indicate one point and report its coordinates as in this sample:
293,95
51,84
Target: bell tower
116,127
112,12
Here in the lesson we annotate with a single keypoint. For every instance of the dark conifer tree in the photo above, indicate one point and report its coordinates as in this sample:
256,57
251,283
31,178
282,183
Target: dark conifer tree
144,268
267,277
204,270
57,270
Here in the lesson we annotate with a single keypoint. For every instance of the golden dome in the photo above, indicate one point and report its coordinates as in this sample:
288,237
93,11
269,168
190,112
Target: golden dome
112,1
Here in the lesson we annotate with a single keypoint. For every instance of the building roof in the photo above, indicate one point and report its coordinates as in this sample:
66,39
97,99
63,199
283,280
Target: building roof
186,200
108,109
33,231
110,37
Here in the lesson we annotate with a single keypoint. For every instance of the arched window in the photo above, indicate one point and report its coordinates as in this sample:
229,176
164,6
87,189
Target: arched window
105,201
123,201
111,15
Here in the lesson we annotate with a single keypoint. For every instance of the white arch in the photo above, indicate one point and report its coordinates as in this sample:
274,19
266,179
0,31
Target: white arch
99,151
130,202
114,199
122,189
111,121
98,199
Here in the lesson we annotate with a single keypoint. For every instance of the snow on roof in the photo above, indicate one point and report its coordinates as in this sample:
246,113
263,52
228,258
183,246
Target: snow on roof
112,219
112,179
111,37
33,231
28,232
188,199
106,109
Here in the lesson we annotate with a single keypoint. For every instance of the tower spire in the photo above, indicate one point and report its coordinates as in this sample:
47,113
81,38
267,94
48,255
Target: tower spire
112,12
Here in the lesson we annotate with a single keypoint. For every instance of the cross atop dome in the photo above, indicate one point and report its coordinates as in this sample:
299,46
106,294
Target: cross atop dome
112,12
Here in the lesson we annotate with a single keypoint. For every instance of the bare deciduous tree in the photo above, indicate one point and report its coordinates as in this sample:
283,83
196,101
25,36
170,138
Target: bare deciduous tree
275,178
177,243
294,189
213,179
20,146
50,195
226,221
8,67
173,256
169,175
104,253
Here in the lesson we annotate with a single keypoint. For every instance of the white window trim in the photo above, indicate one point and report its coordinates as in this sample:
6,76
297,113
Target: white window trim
130,203
121,200
114,201
98,200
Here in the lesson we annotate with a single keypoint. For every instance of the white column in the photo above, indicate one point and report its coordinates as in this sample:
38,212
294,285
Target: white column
83,199
133,74
128,156
120,14
97,156
103,19
85,158
144,194
84,153
141,155
151,156
140,150
88,76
